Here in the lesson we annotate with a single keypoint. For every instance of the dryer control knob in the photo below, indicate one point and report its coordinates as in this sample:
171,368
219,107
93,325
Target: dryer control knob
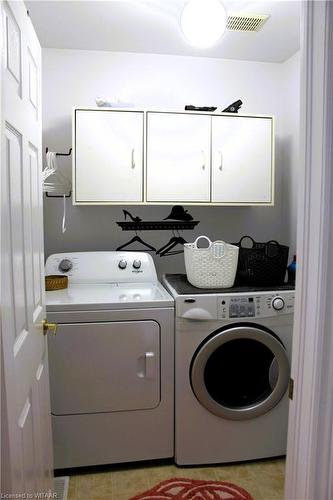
65,265
122,264
136,264
278,303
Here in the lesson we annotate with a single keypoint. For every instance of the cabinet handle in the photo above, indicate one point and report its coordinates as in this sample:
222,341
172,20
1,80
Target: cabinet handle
221,161
203,160
132,159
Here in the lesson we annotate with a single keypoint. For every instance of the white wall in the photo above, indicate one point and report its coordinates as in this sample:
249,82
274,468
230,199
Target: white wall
290,152
75,78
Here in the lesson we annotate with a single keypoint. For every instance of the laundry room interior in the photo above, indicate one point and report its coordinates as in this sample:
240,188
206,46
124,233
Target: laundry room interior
117,263
268,84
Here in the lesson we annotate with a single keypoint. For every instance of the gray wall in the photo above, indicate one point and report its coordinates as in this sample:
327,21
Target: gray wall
76,78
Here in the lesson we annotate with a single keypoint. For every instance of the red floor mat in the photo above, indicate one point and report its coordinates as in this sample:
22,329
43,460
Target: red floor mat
193,489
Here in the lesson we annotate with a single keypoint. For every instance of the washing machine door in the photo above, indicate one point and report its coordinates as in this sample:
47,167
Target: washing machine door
240,372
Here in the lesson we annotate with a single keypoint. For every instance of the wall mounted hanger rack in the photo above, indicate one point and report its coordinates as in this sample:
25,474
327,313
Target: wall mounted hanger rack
164,225
61,154
57,195
170,223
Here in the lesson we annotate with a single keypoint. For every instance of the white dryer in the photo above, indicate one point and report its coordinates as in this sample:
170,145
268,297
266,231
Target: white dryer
111,360
232,362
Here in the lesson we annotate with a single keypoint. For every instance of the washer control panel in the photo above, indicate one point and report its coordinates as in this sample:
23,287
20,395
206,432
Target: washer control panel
235,306
263,305
241,307
103,267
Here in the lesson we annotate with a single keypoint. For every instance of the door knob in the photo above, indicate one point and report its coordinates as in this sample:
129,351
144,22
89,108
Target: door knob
49,326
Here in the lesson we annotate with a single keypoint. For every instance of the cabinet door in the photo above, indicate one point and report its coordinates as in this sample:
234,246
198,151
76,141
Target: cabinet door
178,157
108,156
242,160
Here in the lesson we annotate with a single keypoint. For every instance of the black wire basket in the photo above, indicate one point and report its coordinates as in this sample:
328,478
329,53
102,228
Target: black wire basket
264,264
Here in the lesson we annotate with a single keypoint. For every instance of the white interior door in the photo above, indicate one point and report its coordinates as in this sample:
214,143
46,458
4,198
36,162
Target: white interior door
178,157
24,345
108,156
241,159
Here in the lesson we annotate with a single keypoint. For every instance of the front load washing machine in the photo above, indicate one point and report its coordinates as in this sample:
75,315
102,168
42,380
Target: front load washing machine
232,366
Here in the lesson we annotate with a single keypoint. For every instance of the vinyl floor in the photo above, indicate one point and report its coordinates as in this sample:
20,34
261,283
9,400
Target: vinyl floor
263,479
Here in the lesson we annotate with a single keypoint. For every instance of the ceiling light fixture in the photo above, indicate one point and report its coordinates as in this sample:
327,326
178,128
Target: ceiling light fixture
203,22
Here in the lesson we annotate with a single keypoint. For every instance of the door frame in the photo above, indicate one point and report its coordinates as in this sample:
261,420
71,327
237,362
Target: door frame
309,472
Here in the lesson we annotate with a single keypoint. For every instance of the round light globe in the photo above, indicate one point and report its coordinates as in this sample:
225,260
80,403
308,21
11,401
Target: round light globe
203,22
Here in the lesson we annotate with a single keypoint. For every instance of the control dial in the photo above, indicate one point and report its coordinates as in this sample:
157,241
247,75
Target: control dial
65,265
278,303
122,264
136,264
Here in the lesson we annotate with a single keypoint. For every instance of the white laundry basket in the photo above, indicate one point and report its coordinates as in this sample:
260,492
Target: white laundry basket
212,267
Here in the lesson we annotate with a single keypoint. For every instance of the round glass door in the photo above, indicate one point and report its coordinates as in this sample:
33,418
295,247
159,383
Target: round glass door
240,372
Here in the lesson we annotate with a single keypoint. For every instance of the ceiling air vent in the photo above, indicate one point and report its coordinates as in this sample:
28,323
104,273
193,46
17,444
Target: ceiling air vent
246,22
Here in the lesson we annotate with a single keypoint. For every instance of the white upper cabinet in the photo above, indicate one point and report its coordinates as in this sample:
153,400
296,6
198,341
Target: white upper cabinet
178,157
108,163
157,157
242,160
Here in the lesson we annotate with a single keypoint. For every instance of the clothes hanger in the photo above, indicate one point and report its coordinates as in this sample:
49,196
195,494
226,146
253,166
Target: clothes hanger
139,240
173,252
166,252
174,241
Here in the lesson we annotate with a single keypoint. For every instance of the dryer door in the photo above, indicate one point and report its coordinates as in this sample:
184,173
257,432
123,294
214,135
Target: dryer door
105,367
240,372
